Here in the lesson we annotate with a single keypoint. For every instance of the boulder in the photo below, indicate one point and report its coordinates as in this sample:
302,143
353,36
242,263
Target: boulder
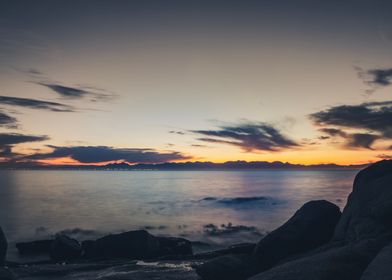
138,244
369,207
342,263
174,246
88,249
380,268
311,226
65,248
34,247
229,267
6,274
236,249
3,247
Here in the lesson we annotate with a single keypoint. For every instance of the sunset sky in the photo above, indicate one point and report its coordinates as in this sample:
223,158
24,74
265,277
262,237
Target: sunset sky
154,81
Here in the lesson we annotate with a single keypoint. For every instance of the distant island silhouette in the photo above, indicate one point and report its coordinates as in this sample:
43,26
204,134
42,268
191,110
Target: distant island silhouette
197,165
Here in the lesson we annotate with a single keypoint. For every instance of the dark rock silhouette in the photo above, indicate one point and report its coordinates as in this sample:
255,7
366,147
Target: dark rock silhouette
65,248
360,234
340,263
173,246
369,207
311,226
6,274
3,247
138,244
380,268
34,247
229,267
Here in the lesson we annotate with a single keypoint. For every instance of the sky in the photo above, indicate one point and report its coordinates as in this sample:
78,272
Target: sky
93,82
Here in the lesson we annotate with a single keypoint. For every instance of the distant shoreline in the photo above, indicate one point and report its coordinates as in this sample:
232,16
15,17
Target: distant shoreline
188,166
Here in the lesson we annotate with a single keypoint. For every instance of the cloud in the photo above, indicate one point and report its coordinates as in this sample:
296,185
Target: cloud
35,104
376,78
177,132
97,154
371,121
8,121
8,140
16,138
95,94
385,156
249,137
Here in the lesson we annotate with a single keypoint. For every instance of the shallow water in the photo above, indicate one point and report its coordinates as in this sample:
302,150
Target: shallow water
193,204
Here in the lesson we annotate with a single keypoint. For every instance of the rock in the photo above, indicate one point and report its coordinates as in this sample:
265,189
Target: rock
243,248
88,249
380,268
6,274
138,244
34,247
65,248
343,263
369,207
311,226
229,267
3,247
171,246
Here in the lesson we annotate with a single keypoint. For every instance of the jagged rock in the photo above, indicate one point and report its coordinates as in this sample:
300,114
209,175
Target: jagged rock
34,247
342,263
172,246
229,267
380,268
369,208
3,247
138,244
311,226
65,248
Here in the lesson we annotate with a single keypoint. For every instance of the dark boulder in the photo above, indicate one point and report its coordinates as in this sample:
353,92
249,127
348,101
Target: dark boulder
342,263
229,267
138,244
88,249
3,247
380,268
311,226
174,246
34,247
65,248
369,208
236,249
6,274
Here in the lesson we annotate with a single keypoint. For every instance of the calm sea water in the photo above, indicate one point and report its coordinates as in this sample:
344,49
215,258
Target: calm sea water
212,206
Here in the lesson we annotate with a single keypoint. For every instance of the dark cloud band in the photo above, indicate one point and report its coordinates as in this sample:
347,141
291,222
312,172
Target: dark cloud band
35,104
97,154
249,137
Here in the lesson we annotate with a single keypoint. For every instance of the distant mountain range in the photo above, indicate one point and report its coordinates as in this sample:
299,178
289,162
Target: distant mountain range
229,165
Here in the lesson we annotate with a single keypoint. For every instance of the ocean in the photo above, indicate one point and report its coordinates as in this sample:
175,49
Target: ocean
215,208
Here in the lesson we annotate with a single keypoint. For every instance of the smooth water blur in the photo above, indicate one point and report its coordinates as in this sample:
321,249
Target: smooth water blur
34,204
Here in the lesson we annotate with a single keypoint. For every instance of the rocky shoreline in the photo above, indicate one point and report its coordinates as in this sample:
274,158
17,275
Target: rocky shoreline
318,242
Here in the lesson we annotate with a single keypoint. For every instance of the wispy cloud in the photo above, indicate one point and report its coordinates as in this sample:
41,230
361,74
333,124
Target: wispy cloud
375,78
370,121
35,104
8,121
79,92
249,137
98,154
